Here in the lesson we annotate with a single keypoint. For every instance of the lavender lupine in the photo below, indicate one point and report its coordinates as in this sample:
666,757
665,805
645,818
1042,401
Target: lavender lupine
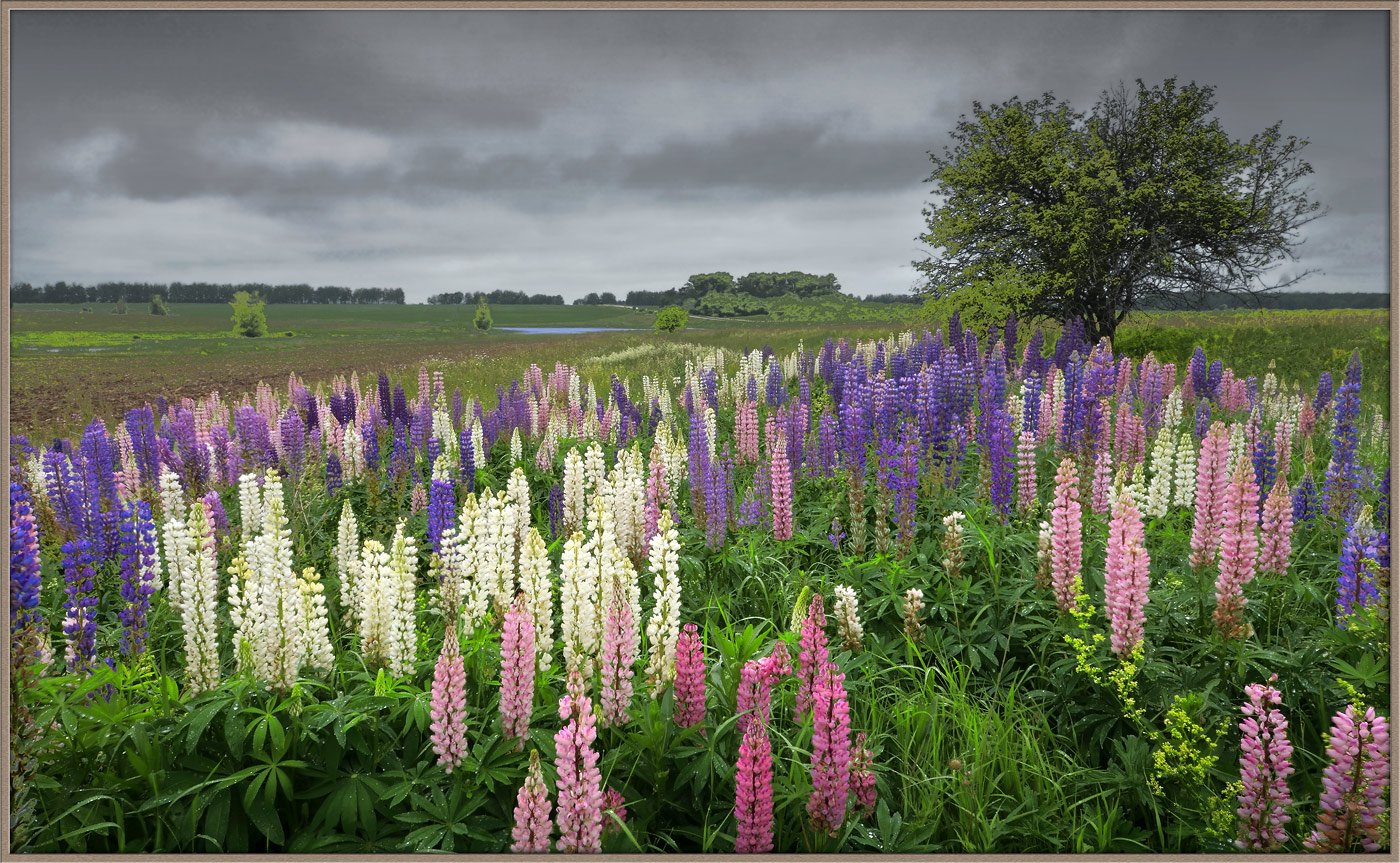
447,708
1265,765
579,793
619,656
831,753
1354,784
1276,530
140,574
530,833
1025,472
517,671
334,475
780,483
689,687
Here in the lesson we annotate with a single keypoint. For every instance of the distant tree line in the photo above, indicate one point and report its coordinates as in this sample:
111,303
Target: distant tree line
200,292
892,299
593,298
1281,300
761,285
506,298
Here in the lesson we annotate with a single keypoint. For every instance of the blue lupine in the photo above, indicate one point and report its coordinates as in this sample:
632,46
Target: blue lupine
24,560
1305,502
80,604
442,504
293,432
1357,570
1342,480
138,572
334,476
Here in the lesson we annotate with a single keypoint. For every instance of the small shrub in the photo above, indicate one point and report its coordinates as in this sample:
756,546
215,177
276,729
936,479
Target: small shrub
671,318
482,319
249,315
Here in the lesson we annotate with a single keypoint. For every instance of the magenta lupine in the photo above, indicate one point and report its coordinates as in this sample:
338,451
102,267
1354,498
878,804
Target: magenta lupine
618,657
579,792
1025,471
1125,577
1239,551
689,688
863,776
1066,539
812,655
831,753
1354,783
613,810
1276,531
1211,480
448,707
780,479
1265,765
756,680
532,824
753,792
517,671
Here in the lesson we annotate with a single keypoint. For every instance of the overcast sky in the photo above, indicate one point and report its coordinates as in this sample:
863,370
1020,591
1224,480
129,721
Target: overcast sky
567,152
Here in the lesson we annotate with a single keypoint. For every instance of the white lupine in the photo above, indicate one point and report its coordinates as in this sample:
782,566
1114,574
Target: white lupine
460,596
250,507
574,492
352,453
1185,487
442,467
34,472
375,612
270,635
494,539
518,491
1171,410
172,496
346,555
1159,489
538,596
593,467
1237,446
578,604
315,626
388,628
845,610
664,625
174,530
193,547
517,449
478,443
711,430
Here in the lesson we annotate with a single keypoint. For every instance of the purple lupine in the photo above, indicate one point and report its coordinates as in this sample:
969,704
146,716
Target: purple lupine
1197,369
141,427
1305,502
464,446
1265,467
80,605
1342,480
1358,570
218,517
400,462
334,476
555,508
1322,400
24,562
369,433
293,442
1265,765
442,505
139,574
776,394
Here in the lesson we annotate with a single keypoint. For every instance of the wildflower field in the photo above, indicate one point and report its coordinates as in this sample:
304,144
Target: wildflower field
934,592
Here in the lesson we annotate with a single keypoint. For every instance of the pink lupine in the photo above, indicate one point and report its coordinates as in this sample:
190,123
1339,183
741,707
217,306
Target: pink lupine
1352,808
780,479
613,810
532,824
812,654
1125,577
689,688
579,814
831,753
1045,429
657,495
1239,551
862,776
753,792
517,671
1101,483
447,708
1025,471
1066,540
619,655
1265,765
1277,530
418,500
755,692
1211,480
746,431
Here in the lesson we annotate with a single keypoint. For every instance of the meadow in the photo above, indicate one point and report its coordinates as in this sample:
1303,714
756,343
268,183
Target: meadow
753,586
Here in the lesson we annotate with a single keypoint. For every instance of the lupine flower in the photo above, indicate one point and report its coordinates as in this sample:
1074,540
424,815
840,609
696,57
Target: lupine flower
1354,784
442,502
537,593
952,544
448,707
517,671
1025,471
847,617
530,835
780,478
812,654
1342,480
24,568
753,792
1358,567
690,678
837,535
1212,478
1066,542
333,475
862,776
140,570
619,655
579,814
663,627
831,752
1276,531
1043,556
1265,765
1125,577
913,611
756,680
80,605
1239,552
613,810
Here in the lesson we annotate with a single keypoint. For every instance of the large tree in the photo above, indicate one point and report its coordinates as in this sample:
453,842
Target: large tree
1145,198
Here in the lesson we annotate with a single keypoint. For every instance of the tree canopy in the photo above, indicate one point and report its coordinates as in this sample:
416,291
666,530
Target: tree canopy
1144,200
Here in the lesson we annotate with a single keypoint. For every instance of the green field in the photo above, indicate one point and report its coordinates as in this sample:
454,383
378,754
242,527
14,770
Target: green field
69,365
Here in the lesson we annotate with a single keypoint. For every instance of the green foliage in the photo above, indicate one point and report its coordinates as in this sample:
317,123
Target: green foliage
986,303
121,307
249,315
671,318
158,305
482,319
1145,199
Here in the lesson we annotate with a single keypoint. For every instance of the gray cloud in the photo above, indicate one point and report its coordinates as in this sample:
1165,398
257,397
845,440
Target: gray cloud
591,150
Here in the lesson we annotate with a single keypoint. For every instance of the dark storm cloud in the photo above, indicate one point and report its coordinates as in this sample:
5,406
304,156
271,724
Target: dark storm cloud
569,152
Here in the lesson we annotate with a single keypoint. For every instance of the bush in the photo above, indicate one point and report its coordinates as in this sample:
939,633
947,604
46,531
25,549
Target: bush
482,320
671,318
249,315
158,305
121,307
